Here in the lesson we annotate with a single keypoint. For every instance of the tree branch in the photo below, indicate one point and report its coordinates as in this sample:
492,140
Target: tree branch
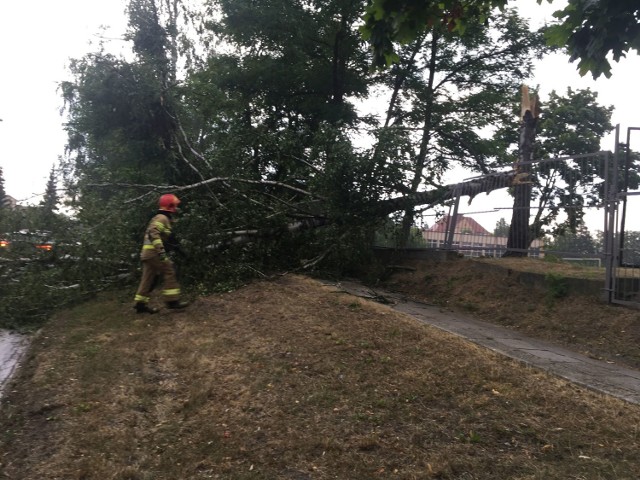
182,188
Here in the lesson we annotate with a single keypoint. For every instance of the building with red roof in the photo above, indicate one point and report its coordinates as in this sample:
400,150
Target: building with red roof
470,238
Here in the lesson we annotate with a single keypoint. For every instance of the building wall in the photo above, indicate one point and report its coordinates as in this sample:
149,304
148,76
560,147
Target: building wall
477,245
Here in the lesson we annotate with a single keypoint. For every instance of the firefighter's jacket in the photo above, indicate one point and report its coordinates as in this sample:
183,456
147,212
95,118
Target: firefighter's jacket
157,234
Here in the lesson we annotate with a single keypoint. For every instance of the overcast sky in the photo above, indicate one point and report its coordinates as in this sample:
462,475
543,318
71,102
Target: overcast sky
37,38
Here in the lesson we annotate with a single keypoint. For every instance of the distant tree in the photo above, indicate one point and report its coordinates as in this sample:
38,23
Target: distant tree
51,199
3,205
502,228
630,254
49,203
630,251
2,191
580,242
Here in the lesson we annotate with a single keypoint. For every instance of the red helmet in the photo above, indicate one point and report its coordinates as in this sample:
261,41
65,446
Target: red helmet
169,202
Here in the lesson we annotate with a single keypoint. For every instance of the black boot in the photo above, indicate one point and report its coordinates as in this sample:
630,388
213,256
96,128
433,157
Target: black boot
177,304
142,307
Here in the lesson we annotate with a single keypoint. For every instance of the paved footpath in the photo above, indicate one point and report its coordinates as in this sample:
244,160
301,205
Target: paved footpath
597,375
12,347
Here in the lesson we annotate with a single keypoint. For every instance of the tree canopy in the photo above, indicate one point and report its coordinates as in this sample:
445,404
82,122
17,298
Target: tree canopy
265,118
589,30
263,134
593,31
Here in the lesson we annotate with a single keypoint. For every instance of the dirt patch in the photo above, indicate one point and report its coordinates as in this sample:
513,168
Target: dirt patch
292,379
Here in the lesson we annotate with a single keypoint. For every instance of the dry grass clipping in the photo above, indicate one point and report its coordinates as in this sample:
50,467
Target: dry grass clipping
290,379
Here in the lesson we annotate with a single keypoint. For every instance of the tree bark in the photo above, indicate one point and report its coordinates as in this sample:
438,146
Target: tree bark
519,234
438,196
421,158
383,208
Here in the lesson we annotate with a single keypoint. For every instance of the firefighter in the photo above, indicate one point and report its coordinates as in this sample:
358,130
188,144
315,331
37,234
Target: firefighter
155,262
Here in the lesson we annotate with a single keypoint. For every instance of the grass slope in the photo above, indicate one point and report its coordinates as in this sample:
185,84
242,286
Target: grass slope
497,291
290,379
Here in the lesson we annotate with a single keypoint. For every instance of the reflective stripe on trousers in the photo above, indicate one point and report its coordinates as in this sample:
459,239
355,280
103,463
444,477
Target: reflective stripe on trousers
152,268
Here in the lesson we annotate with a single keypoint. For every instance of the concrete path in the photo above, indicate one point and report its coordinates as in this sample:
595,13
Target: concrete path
597,375
12,347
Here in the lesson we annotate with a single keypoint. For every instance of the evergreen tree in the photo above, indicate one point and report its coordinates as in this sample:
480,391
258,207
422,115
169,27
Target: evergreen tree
502,228
49,203
3,203
2,191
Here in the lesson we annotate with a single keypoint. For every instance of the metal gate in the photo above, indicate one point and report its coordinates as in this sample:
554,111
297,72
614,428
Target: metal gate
621,244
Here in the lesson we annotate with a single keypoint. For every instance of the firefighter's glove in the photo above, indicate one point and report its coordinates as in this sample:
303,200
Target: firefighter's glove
164,257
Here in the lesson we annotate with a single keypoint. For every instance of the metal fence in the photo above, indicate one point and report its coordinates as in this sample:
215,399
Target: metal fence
564,192
582,209
623,269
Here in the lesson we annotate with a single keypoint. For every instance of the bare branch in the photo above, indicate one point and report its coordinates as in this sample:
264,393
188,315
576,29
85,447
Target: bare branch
246,197
318,259
303,161
182,188
242,237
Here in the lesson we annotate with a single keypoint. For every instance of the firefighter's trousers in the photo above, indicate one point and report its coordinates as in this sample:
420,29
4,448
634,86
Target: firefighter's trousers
153,268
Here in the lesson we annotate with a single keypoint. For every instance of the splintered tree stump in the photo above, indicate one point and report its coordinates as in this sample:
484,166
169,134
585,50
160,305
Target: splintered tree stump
519,237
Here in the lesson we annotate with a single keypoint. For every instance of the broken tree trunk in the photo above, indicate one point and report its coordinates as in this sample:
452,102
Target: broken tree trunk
519,235
439,196
382,208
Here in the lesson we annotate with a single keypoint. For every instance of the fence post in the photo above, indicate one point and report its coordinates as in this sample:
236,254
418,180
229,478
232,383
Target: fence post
611,203
453,218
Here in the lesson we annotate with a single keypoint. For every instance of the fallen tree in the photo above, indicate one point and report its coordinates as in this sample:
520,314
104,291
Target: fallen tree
304,221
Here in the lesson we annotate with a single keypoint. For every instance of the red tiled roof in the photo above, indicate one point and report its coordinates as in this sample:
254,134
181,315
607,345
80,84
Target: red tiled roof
463,225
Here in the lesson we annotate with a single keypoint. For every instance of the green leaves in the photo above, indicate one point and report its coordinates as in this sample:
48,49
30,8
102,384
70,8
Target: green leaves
572,124
402,21
591,31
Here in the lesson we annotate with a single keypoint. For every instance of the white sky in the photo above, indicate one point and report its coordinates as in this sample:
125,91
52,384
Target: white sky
37,37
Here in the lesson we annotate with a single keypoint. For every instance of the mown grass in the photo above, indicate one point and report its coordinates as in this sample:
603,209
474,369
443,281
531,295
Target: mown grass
290,379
